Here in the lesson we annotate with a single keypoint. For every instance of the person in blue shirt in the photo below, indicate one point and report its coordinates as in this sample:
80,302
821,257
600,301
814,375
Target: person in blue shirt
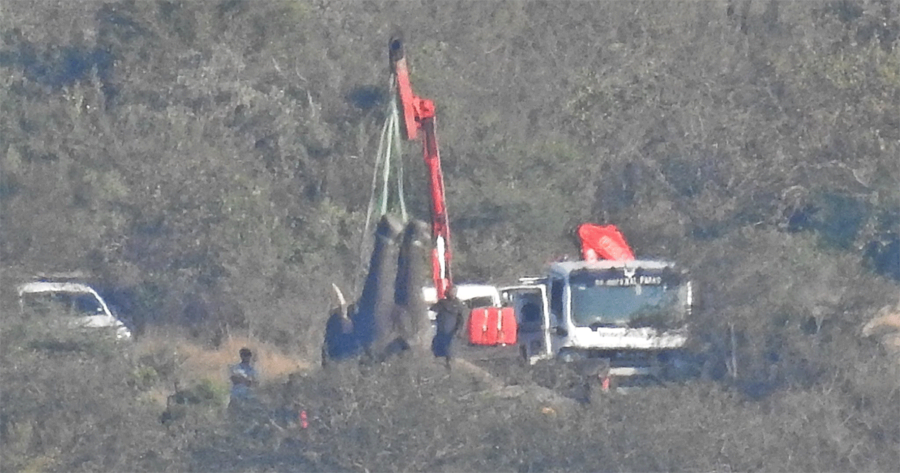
244,379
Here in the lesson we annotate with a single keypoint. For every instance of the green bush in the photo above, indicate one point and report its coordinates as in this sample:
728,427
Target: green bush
215,159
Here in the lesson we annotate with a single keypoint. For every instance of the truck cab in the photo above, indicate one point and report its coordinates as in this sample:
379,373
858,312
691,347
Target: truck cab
630,312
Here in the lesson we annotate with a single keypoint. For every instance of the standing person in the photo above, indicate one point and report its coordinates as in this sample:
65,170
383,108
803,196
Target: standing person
450,319
340,341
243,379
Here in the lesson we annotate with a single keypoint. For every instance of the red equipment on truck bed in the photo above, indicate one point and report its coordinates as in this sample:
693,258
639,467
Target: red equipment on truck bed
603,241
492,326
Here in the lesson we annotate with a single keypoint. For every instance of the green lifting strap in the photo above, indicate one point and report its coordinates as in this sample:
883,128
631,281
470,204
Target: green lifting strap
398,152
388,158
392,163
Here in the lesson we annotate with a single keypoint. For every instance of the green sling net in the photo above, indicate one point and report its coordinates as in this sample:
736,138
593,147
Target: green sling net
387,178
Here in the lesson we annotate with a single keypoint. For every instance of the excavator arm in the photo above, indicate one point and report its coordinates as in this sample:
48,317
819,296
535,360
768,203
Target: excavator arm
418,117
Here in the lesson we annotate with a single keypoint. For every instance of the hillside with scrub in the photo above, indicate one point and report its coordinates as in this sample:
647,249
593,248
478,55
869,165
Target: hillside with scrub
210,163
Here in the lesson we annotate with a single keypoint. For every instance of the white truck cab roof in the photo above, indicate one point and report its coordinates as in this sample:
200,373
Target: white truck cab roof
569,266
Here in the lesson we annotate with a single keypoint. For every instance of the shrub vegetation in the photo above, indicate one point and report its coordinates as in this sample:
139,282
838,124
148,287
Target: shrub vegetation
209,163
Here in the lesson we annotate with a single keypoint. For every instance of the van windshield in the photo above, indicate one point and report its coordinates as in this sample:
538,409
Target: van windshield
62,303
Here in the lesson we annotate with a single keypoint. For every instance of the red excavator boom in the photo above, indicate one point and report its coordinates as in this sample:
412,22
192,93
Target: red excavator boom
418,116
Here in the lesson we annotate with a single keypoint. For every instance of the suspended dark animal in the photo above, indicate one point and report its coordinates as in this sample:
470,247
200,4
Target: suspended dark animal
390,315
372,321
411,313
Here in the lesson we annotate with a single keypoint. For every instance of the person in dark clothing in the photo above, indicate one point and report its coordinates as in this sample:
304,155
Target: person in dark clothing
340,341
450,319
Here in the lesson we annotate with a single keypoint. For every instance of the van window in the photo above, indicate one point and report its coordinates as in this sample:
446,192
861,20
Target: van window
61,303
476,302
87,304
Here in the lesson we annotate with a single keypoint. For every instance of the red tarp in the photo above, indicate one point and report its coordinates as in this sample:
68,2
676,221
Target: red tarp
603,242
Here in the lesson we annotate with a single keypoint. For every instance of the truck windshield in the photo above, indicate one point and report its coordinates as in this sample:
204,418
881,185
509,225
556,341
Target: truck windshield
599,303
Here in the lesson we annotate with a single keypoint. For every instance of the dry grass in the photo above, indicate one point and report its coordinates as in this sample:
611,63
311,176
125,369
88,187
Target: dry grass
203,362
886,326
887,323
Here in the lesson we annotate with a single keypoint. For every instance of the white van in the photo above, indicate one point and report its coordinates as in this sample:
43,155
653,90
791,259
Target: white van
472,295
71,298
